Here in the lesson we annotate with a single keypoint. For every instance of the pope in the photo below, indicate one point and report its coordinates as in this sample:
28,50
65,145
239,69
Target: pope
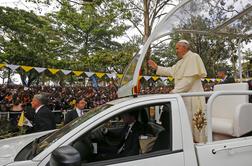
187,74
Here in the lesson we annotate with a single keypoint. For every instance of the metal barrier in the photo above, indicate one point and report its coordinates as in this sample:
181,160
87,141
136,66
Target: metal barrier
7,115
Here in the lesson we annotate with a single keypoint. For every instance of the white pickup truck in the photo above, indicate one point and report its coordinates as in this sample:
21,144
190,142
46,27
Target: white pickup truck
179,149
229,121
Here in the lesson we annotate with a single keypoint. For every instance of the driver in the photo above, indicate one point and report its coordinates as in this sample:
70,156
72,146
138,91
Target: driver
129,137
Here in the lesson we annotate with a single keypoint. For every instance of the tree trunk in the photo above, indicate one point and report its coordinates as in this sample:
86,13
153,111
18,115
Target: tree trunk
147,29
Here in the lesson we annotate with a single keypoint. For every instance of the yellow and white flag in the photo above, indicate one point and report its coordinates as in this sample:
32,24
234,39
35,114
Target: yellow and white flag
24,121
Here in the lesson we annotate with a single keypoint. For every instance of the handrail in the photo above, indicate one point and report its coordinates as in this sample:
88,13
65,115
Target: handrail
8,113
192,94
214,151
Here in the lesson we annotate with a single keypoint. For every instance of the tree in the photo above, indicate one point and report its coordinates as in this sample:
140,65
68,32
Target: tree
213,49
27,39
216,48
69,38
247,66
144,15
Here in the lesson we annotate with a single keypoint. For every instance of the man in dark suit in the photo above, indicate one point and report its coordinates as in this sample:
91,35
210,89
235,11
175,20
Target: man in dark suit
129,138
44,118
226,79
129,144
77,112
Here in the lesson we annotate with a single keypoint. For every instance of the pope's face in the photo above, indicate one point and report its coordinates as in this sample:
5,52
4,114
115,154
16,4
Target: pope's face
180,50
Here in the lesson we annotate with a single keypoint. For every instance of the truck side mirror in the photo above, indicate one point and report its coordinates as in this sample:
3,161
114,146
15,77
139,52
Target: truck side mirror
65,156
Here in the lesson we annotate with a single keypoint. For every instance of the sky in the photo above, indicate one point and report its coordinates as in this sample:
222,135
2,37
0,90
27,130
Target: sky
39,9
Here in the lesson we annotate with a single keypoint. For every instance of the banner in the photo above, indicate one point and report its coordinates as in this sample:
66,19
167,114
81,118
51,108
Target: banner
208,79
26,68
170,78
12,67
77,73
155,78
213,79
66,72
99,75
163,78
39,69
1,65
147,78
53,71
120,75
112,75
90,74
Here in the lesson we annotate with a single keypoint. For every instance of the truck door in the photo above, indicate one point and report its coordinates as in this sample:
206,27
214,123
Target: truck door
230,152
159,143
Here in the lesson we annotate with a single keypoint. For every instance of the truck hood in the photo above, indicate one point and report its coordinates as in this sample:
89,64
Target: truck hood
10,147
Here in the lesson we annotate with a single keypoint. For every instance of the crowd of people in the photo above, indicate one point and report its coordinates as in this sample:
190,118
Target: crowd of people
16,97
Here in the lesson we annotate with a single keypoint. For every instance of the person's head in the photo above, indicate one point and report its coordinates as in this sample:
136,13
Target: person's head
38,100
222,72
80,103
182,47
129,117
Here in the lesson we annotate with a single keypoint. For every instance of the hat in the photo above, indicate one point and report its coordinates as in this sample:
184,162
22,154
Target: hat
183,41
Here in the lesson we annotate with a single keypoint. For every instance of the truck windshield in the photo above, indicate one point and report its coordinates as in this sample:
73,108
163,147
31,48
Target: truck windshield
70,126
129,72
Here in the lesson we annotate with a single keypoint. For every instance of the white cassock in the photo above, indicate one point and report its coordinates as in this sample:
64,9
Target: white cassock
187,74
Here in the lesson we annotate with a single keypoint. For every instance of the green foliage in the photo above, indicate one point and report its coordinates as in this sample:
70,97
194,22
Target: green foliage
89,29
27,39
78,37
215,50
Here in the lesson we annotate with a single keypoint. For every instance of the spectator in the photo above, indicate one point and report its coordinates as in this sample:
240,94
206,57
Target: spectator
226,78
44,118
77,112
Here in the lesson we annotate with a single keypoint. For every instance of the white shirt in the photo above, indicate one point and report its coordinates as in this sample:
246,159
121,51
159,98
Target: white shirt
79,112
36,111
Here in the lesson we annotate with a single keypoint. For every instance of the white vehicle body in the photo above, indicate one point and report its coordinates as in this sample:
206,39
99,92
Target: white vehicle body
184,152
